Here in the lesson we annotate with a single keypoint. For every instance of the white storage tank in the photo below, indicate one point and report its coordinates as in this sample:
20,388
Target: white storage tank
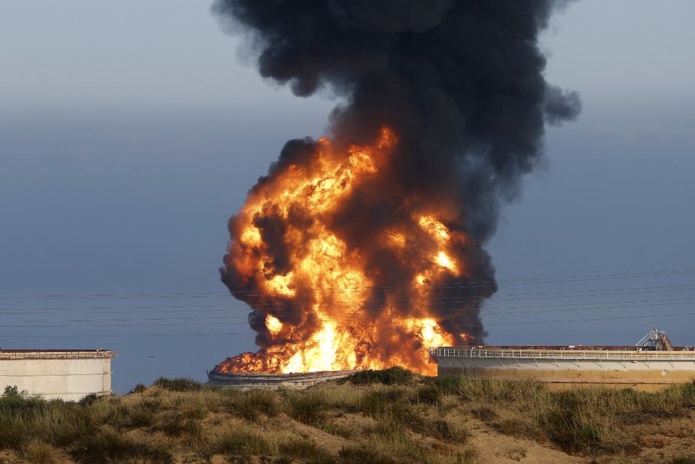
57,374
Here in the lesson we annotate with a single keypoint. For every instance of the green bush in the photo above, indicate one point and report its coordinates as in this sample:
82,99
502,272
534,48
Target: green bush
392,376
13,433
89,399
429,394
447,385
178,385
18,419
140,388
12,390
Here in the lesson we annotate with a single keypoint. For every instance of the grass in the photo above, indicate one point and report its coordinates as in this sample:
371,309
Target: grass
363,455
372,417
307,407
109,445
690,459
306,450
252,404
38,452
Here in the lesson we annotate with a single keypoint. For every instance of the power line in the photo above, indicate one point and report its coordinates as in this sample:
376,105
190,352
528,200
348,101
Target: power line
345,317
493,324
225,307
146,335
347,310
469,284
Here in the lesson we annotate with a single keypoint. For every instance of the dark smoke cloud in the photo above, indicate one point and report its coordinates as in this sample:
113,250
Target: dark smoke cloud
460,81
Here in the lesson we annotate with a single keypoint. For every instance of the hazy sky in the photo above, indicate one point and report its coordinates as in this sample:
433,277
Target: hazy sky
130,131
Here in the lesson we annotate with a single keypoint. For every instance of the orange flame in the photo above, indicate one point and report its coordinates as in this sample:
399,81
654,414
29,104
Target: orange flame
322,304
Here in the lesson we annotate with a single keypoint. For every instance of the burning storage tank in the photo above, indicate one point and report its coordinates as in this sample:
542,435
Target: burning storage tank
68,375
362,249
651,363
273,381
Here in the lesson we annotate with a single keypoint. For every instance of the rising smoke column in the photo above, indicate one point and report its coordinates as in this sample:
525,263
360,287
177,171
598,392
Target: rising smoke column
460,84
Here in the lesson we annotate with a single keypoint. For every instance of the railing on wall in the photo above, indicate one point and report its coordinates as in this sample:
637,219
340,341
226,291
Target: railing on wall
56,354
634,355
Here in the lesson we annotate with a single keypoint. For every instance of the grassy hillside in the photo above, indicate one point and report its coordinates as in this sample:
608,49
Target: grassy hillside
389,416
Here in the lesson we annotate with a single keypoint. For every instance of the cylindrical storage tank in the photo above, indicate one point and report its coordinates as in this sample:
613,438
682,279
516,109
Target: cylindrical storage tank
600,365
57,374
273,381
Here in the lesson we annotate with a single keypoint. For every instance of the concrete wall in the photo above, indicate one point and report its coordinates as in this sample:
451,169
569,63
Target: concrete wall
66,375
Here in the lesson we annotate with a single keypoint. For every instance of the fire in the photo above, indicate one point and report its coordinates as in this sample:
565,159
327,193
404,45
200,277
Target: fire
322,289
273,323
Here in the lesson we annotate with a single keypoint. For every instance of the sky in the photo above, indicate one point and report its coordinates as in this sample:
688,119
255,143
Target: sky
130,132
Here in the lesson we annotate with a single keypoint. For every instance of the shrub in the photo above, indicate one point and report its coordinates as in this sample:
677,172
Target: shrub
429,394
38,452
62,423
392,376
139,388
375,402
89,399
572,426
689,389
241,443
307,407
142,413
178,385
17,418
179,425
400,415
305,450
12,390
447,385
250,403
19,406
110,446
13,433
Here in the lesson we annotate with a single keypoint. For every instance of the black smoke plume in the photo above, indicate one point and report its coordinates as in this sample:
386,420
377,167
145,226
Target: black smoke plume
461,83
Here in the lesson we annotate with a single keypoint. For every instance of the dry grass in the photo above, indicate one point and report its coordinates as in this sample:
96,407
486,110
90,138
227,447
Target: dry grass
375,417
38,452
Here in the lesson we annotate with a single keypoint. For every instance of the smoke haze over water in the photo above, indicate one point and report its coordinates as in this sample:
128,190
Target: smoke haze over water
459,82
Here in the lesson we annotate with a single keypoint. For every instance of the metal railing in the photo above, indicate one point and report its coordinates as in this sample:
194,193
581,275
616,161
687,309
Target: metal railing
56,354
570,354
